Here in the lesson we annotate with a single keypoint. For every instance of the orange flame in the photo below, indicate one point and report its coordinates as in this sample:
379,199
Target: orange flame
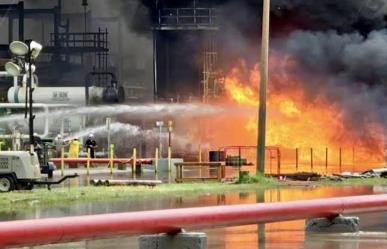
294,121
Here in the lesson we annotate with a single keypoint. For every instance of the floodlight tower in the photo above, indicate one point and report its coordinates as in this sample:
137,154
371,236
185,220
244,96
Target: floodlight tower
23,63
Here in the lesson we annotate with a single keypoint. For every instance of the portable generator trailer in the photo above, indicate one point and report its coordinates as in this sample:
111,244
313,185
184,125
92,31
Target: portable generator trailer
20,170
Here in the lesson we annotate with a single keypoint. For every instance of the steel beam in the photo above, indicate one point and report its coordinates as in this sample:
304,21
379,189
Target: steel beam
68,229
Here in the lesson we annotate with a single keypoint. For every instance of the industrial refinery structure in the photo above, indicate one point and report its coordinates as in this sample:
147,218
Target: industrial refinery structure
135,53
88,58
84,47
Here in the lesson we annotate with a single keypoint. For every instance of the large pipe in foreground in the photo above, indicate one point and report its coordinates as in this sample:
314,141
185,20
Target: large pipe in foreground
68,229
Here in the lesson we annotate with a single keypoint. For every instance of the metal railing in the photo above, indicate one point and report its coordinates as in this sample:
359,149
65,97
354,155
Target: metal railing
95,40
321,160
187,16
70,229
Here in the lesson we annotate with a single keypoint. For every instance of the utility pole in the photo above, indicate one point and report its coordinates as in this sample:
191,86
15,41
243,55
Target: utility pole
263,85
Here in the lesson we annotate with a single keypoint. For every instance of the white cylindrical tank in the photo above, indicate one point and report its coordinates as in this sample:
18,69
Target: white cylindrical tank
56,95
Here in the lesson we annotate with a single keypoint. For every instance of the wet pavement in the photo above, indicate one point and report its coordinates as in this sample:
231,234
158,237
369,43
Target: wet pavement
275,235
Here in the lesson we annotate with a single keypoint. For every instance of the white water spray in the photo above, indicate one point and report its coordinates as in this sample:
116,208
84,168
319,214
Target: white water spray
127,129
143,111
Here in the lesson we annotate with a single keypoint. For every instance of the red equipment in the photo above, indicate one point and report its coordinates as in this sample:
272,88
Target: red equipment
67,229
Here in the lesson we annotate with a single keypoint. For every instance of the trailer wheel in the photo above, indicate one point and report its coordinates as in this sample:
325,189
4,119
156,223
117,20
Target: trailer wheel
6,184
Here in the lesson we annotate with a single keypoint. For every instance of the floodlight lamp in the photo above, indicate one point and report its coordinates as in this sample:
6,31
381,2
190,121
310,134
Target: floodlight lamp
170,125
13,68
159,123
27,68
35,49
18,48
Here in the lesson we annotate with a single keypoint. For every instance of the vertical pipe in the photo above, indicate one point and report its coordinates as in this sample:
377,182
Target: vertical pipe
21,20
62,126
200,160
311,159
169,137
85,17
340,160
219,172
223,168
271,159
134,163
167,65
200,153
56,26
31,89
353,159
62,161
263,85
194,11
160,143
326,161
15,81
169,159
239,160
278,162
88,162
108,122
178,178
10,28
111,154
156,160
296,159
239,157
155,90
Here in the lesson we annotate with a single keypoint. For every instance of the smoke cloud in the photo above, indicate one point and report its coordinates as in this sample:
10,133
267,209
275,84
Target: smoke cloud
344,15
346,69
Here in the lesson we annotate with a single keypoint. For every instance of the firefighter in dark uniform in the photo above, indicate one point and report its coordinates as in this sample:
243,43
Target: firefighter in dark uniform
91,144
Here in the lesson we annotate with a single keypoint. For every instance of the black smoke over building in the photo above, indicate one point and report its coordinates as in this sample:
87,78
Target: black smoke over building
340,46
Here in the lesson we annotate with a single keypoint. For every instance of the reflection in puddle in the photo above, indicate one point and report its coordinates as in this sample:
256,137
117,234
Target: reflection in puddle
287,235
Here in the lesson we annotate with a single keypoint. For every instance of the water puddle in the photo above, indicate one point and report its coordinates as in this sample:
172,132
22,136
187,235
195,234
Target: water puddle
287,235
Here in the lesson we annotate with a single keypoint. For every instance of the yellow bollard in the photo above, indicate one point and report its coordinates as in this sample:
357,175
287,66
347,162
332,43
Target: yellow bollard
62,161
134,162
88,162
111,158
157,160
134,156
169,159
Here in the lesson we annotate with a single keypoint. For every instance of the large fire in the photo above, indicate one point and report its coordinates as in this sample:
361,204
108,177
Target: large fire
295,120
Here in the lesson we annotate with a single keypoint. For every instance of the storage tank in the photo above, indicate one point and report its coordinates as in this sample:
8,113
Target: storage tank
57,95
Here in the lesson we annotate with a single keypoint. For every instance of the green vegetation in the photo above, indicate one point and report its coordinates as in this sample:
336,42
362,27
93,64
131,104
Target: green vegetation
245,178
354,181
18,200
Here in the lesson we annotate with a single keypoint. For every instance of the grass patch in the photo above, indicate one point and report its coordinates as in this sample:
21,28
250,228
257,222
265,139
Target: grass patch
245,178
354,181
22,200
